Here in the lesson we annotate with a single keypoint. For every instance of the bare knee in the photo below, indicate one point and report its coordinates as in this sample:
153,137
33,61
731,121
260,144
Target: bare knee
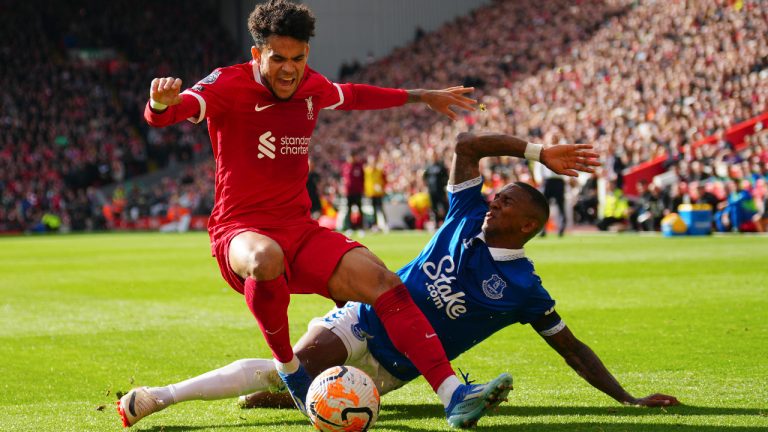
361,276
390,282
384,279
265,262
259,258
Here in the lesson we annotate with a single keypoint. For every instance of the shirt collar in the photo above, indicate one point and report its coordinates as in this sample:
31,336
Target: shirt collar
502,254
256,72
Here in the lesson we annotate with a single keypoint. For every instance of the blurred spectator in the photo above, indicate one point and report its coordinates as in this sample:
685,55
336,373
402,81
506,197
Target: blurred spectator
436,179
762,223
354,182
585,209
706,197
739,212
554,190
419,204
375,190
615,208
678,195
649,208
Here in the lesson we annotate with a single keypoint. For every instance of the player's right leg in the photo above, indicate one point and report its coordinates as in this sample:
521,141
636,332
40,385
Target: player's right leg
259,260
318,350
363,277
332,340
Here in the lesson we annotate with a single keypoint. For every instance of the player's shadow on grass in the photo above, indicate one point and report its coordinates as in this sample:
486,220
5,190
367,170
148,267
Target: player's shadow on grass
405,412
250,425
412,412
681,410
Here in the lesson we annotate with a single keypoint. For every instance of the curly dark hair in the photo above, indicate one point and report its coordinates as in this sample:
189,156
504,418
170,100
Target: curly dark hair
282,18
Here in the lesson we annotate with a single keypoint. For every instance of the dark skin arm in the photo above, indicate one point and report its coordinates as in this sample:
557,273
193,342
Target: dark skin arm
566,159
588,365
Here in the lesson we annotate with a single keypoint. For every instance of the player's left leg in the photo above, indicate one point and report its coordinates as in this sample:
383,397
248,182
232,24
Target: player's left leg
318,349
240,377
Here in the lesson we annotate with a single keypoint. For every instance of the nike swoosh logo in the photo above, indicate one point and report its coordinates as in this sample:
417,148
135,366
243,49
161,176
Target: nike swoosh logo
131,404
349,241
258,108
429,336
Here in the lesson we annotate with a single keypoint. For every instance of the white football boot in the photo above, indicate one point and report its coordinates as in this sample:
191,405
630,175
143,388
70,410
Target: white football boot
137,404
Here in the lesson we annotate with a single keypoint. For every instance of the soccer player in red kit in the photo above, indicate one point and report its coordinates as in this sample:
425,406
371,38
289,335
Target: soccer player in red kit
260,119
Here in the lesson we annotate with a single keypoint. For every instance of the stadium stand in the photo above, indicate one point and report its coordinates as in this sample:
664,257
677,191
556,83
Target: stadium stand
644,81
74,80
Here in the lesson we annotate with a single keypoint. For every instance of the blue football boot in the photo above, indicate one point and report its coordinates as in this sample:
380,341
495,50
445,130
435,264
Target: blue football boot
470,402
297,384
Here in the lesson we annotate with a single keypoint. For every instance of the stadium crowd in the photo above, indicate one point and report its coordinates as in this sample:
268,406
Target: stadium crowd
75,80
638,79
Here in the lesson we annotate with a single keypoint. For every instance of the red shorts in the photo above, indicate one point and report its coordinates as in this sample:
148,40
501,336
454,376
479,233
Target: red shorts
311,255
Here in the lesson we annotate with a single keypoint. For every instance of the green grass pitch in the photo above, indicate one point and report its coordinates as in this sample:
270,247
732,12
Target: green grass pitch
85,316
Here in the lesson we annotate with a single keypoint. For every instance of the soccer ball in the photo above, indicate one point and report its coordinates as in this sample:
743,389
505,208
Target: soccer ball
343,398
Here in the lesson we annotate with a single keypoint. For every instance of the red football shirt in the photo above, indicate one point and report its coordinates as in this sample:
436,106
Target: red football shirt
261,144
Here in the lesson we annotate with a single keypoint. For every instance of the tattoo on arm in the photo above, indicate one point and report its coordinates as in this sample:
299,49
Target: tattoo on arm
471,148
463,168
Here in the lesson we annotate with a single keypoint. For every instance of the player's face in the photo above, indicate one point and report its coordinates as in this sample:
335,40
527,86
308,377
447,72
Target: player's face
508,215
282,61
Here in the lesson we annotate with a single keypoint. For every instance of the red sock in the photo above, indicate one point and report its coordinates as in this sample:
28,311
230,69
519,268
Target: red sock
268,302
408,329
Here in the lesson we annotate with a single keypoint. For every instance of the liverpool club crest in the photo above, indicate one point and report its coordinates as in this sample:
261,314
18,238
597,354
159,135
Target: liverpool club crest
310,108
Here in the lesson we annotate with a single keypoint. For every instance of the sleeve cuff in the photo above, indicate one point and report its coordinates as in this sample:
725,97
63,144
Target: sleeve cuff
464,185
201,101
554,330
341,98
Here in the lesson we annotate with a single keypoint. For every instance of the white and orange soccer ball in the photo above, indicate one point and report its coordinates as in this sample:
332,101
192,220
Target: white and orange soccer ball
343,398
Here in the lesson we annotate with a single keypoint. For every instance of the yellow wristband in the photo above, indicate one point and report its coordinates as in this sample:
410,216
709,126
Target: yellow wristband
155,105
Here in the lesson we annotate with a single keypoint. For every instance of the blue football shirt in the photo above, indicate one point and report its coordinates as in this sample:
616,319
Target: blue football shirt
466,290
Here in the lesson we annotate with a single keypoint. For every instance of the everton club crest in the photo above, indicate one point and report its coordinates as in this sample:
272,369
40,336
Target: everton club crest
494,287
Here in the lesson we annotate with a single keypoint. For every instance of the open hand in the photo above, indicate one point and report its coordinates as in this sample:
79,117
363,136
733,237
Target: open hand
569,159
442,100
656,400
165,90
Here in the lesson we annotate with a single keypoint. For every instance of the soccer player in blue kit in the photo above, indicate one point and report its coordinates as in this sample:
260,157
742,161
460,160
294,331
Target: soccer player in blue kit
470,281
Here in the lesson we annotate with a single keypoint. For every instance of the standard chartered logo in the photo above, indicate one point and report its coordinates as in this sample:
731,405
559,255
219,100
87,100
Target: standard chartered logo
288,145
441,291
267,145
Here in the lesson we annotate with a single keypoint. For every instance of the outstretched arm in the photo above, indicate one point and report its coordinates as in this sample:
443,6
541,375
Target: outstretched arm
368,97
566,159
588,365
442,100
